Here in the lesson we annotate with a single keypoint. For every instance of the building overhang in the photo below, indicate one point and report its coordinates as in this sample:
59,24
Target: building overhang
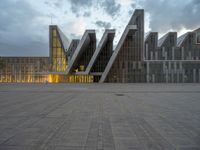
107,36
89,36
130,29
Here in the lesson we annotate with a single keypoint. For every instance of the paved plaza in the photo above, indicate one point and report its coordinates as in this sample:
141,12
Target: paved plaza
99,116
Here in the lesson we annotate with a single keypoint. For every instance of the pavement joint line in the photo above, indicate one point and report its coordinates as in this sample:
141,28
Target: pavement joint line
62,117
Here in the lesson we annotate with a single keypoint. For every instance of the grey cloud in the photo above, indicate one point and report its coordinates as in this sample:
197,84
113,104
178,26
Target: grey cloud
57,4
82,7
103,24
170,14
54,3
47,3
133,6
12,13
111,7
87,14
20,33
77,5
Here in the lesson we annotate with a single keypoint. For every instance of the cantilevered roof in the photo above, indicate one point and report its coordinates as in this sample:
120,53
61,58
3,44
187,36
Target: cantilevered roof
128,29
72,47
135,16
108,35
88,36
64,39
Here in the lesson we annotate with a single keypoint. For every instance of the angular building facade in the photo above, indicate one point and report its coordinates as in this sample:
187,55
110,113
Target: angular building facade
101,56
135,59
125,65
172,60
58,44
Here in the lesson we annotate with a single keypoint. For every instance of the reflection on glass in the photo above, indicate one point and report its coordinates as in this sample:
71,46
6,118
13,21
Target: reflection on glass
70,79
58,57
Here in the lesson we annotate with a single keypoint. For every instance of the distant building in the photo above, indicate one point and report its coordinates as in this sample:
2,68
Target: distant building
172,60
134,60
24,69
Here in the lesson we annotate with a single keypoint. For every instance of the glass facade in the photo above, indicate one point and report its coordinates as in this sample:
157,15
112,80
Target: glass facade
128,65
24,69
103,57
59,55
57,52
83,60
57,78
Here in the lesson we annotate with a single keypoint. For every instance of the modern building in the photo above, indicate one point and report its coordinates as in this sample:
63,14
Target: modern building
24,69
125,64
172,60
136,59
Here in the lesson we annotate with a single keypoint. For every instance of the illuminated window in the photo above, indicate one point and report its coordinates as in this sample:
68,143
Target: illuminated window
82,67
54,33
58,57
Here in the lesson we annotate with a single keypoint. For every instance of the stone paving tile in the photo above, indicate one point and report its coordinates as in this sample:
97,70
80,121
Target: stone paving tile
99,116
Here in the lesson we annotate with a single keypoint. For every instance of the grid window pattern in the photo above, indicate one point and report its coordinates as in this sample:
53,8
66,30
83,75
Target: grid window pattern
24,69
103,58
83,61
57,52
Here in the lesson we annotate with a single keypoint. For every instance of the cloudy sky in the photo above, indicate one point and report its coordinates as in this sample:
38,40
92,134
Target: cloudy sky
24,23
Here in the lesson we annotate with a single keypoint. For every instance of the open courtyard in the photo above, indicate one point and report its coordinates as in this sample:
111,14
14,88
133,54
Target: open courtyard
99,116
